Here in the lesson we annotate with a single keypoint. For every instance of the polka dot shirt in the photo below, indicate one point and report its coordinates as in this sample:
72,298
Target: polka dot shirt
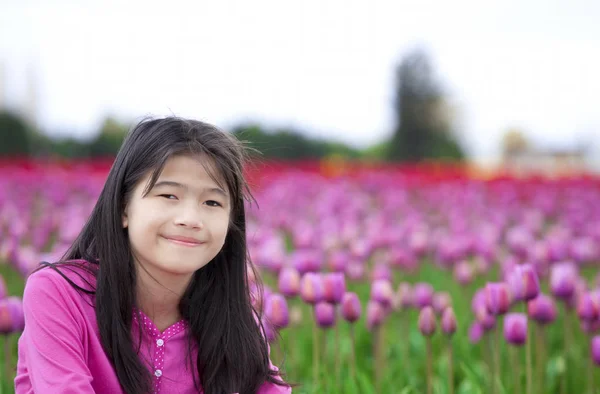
160,340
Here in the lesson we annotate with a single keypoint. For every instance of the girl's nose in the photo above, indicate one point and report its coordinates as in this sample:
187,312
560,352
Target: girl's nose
191,218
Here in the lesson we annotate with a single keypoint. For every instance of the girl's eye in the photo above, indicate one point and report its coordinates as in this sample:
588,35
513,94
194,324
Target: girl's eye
213,203
168,196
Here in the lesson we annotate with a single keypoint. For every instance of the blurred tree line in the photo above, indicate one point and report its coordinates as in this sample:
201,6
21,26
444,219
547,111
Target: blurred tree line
423,130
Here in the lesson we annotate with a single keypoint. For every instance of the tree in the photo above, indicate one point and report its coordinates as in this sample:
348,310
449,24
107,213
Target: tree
109,139
423,128
15,135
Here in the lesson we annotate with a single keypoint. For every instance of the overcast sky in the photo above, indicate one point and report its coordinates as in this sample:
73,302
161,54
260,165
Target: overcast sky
323,66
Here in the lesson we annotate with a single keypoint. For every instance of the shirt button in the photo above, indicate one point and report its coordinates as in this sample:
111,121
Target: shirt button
160,342
158,373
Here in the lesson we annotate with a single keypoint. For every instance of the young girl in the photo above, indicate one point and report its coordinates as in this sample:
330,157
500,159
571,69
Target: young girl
153,296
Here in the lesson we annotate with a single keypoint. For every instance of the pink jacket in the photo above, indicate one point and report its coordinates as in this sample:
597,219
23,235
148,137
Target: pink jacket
60,350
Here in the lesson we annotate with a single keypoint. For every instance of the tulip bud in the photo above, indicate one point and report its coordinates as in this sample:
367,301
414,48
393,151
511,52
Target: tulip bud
11,315
375,314
382,292
334,286
463,273
515,328
542,309
524,283
448,321
596,349
587,308
497,298
325,314
475,332
422,295
441,301
351,309
276,311
289,282
311,288
427,321
563,278
381,272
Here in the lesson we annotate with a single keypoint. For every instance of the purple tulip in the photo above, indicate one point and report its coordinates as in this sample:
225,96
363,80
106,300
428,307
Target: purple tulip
381,272
441,301
587,307
422,295
448,321
596,349
276,311
427,322
515,328
463,273
382,292
476,332
524,283
289,282
334,287
497,298
351,309
11,315
563,278
311,288
375,314
542,309
325,314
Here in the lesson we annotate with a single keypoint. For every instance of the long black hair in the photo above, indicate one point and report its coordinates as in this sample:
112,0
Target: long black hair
222,324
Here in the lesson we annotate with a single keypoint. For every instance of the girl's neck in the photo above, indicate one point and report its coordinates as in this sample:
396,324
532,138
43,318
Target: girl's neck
160,300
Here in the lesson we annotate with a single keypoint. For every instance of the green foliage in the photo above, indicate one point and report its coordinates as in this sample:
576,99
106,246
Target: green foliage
14,133
109,139
289,144
423,130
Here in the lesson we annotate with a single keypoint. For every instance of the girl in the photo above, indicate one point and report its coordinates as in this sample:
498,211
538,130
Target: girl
153,295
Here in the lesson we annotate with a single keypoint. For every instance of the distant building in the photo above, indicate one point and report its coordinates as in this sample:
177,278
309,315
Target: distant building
551,162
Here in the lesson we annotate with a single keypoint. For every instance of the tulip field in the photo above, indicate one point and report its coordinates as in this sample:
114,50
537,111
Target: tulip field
377,280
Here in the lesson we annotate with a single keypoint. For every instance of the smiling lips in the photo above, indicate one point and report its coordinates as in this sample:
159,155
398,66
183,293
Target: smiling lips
185,241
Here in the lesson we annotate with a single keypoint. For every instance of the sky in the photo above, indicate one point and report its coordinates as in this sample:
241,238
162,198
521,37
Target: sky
325,67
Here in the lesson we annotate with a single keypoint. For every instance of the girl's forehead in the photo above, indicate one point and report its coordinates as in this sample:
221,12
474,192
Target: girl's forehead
191,168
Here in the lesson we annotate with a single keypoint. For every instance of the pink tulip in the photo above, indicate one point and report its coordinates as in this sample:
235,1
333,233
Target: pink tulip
334,287
448,321
563,278
351,309
382,292
375,314
276,311
325,314
311,288
289,282
542,309
422,295
427,322
497,298
515,328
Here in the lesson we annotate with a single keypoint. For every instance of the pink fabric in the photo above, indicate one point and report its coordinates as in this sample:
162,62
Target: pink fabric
60,350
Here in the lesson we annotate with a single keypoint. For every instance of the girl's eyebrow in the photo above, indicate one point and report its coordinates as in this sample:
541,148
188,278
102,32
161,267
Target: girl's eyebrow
217,190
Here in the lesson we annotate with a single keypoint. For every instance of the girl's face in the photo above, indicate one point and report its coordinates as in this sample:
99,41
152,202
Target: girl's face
181,224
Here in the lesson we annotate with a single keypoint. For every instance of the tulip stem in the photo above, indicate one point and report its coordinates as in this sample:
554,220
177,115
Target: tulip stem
490,361
568,342
315,353
590,373
378,352
497,365
429,366
528,340
516,370
541,357
337,355
450,366
7,360
353,354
